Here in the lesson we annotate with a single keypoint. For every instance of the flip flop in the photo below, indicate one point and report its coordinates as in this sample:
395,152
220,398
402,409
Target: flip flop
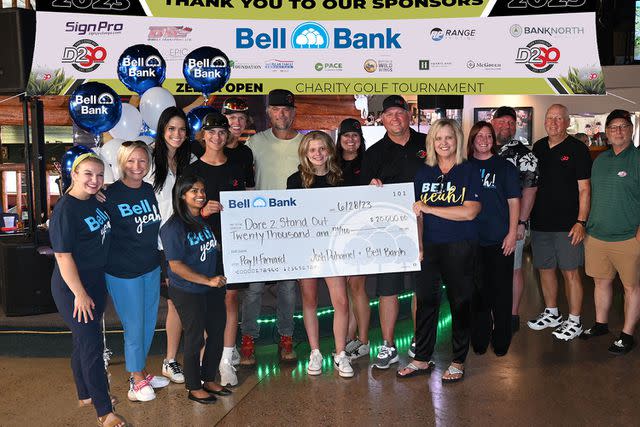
452,370
415,370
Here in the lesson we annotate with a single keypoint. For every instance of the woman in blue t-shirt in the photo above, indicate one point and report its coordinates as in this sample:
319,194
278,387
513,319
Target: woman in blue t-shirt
133,266
350,151
497,227
80,234
447,188
196,288
319,169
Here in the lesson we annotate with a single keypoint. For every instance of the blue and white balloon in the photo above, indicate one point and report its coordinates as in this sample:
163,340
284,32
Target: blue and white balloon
128,127
194,119
141,67
206,69
95,107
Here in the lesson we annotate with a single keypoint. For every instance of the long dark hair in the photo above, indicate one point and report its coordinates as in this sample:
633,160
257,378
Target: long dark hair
160,154
180,208
474,132
340,150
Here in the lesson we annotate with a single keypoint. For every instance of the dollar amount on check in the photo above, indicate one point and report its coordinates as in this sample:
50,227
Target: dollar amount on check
295,234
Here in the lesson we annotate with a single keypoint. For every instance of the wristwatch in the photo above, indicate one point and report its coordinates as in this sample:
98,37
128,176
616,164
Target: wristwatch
520,222
582,223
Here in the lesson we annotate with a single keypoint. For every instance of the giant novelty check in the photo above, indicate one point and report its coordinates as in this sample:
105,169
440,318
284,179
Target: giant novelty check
324,232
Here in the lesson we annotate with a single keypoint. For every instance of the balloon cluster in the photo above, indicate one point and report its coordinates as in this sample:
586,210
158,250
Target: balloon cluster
97,108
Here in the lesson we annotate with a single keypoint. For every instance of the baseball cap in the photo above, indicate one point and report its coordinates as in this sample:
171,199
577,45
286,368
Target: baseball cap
618,114
349,125
215,120
281,98
234,105
505,111
394,101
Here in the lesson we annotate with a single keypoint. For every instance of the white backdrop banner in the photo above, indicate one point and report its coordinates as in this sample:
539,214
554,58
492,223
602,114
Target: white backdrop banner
544,54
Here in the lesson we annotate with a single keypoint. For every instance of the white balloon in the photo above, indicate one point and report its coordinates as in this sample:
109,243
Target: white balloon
109,154
128,127
152,103
146,139
108,173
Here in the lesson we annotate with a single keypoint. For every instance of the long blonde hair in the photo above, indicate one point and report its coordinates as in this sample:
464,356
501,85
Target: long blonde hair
125,150
334,173
86,157
461,149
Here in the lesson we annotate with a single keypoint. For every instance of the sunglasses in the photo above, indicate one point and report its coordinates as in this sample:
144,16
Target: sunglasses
235,105
442,180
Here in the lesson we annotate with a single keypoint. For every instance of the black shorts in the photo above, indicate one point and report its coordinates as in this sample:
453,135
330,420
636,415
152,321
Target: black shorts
389,284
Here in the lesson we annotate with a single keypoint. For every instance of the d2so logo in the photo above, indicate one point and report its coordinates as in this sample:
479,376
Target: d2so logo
310,35
85,55
539,56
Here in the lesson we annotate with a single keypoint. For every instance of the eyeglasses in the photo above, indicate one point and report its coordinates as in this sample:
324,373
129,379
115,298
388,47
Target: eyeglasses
620,128
442,180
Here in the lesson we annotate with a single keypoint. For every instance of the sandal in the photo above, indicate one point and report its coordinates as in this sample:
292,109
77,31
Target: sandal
89,402
452,370
415,370
115,421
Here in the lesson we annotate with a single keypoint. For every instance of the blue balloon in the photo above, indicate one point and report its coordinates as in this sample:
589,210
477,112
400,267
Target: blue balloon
95,107
206,69
194,119
67,163
141,67
147,131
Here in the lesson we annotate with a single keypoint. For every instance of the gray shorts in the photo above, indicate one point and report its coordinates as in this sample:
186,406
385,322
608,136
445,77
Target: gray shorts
554,249
517,254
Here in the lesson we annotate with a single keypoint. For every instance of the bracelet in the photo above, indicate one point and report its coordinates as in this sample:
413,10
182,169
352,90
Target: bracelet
520,222
202,214
582,223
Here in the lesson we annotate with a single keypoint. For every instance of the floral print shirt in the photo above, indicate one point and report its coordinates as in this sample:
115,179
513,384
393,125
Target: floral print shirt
523,159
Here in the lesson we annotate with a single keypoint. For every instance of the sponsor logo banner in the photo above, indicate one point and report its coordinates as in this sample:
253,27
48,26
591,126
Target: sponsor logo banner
297,53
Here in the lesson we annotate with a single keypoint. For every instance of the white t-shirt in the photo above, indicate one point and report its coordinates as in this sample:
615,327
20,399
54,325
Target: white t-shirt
165,196
274,159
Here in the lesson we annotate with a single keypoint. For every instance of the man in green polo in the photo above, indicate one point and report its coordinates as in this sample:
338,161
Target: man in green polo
613,235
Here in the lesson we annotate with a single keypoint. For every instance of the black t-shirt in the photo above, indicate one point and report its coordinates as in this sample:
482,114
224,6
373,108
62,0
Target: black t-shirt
197,250
243,156
83,229
135,222
351,171
226,177
393,163
294,182
561,167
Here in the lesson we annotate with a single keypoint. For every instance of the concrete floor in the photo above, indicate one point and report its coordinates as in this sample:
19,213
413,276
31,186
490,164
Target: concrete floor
541,381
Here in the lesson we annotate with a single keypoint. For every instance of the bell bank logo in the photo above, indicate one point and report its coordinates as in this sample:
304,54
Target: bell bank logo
261,202
311,35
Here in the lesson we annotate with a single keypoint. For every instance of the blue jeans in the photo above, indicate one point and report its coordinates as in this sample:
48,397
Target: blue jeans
136,302
252,304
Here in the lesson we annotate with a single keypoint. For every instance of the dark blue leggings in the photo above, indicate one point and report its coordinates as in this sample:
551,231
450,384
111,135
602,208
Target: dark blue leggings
87,363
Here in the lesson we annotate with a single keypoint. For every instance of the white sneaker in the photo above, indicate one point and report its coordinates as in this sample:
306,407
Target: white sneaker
361,351
228,375
140,391
235,357
173,371
157,381
568,330
545,320
343,364
315,363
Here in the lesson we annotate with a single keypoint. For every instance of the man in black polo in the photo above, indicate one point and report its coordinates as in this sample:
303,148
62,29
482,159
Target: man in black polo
392,160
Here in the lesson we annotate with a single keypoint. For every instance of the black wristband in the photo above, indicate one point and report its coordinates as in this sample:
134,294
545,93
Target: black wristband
582,223
520,222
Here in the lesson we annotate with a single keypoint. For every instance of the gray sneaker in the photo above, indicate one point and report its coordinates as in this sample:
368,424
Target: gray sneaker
387,355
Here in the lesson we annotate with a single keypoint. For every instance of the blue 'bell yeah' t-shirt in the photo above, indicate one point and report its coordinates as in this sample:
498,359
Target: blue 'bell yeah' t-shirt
461,184
500,182
135,222
197,250
82,228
